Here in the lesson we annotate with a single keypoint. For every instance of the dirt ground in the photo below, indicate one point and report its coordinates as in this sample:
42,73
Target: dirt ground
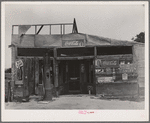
79,101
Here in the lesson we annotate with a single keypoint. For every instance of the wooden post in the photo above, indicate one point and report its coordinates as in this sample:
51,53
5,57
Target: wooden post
56,71
89,65
50,29
66,72
82,77
63,29
94,77
36,75
47,78
26,78
35,29
13,71
33,66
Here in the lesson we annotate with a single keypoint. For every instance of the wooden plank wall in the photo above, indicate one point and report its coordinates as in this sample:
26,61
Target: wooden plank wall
31,76
36,75
26,78
117,89
13,69
139,59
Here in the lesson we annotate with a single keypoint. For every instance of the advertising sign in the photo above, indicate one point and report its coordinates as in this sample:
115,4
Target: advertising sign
124,76
103,71
19,69
104,79
100,71
128,68
19,63
73,43
106,63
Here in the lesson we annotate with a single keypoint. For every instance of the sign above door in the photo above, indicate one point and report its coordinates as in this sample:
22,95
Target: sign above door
73,43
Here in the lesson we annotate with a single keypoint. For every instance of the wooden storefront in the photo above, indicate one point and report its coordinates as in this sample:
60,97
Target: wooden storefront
77,63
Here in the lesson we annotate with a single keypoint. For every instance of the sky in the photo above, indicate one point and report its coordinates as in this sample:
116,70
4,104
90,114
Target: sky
116,21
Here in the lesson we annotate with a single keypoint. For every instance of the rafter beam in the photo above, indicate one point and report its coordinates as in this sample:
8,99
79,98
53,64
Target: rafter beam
39,29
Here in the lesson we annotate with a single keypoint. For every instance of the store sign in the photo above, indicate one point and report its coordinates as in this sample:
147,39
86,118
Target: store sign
106,63
104,79
73,43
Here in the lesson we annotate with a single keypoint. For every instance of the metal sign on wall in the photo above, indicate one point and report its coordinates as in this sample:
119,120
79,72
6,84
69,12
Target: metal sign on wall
106,63
104,79
73,43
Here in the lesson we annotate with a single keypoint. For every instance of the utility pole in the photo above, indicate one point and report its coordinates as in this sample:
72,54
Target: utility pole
47,78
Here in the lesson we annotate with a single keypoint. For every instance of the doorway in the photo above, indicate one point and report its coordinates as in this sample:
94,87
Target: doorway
74,76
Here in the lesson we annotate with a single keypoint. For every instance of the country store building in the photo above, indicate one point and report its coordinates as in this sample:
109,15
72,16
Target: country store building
73,63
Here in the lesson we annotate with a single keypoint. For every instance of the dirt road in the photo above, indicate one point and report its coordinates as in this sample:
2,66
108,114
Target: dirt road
76,102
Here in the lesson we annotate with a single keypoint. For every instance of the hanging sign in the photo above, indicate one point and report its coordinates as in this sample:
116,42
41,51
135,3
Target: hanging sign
106,63
73,43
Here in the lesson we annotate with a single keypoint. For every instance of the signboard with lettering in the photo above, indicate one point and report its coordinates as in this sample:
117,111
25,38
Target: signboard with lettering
104,79
73,43
128,68
106,63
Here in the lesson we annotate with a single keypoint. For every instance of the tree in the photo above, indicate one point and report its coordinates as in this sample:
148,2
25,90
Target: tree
140,37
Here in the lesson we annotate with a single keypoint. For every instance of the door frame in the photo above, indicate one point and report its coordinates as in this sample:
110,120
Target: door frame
77,62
